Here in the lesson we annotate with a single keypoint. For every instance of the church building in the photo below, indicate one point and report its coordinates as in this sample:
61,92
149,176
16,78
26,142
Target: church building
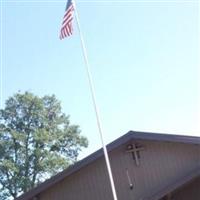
145,166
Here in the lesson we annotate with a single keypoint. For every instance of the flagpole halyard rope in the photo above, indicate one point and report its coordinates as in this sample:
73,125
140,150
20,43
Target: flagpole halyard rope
89,75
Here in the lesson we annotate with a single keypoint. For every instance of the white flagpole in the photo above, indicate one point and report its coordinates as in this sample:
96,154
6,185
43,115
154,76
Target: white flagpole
89,75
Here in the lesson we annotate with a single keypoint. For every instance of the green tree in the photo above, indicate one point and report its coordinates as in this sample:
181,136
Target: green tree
36,142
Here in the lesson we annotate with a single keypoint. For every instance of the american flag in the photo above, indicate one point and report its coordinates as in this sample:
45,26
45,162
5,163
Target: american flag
66,29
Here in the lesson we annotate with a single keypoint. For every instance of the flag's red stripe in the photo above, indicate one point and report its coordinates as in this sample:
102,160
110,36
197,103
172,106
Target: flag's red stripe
66,31
65,21
70,9
70,28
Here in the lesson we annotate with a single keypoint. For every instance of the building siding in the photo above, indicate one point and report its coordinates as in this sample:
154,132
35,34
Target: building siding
161,163
189,191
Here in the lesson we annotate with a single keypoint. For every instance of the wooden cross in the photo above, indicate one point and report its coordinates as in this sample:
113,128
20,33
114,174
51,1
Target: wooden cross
135,150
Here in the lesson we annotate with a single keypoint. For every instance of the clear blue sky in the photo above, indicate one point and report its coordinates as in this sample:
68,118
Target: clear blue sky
143,57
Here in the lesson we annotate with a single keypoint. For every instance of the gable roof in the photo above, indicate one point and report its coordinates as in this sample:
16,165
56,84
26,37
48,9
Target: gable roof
131,135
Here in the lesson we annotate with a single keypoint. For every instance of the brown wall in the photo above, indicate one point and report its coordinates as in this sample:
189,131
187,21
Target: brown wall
190,191
161,163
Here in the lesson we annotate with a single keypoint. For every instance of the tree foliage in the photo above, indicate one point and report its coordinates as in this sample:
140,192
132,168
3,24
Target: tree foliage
36,141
